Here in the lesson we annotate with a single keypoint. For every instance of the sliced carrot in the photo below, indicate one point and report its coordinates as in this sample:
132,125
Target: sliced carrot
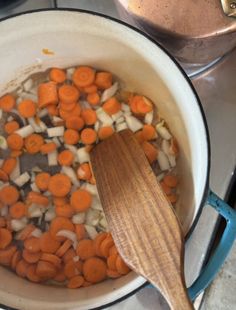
2,221
64,248
139,136
57,75
75,282
27,108
59,185
81,200
5,238
103,80
71,136
15,259
60,276
74,122
105,246
68,93
18,210
48,244
71,270
67,106
89,116
47,94
172,198
48,148
30,257
9,195
21,268
76,111
35,197
105,132
45,270
7,254
32,244
174,148
170,180
11,126
93,98
83,76
69,255
121,267
111,261
64,210
3,176
84,172
86,284
33,143
15,142
94,270
60,201
97,242
112,106
88,136
66,158
140,105
53,110
165,188
7,103
80,231
90,89
9,165
148,132
42,180
51,258
31,274
15,153
150,151
25,232
85,249
113,274
60,223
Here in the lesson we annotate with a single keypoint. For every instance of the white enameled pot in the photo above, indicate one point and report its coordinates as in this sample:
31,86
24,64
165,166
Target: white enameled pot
76,38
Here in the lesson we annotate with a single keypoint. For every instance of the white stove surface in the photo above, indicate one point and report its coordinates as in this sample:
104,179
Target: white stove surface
216,88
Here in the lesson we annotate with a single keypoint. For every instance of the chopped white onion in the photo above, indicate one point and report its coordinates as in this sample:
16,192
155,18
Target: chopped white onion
56,141
36,169
163,161
55,131
22,179
56,119
52,158
82,155
165,145
29,96
35,126
4,211
25,131
43,126
92,217
34,187
103,223
91,231
97,126
42,113
34,211
160,177
117,115
172,160
71,148
90,188
104,117
121,126
148,118
18,224
120,120
1,113
96,203
69,73
109,92
163,132
10,118
69,235
27,85
50,214
70,172
76,258
78,218
19,91
36,233
133,123
3,143
125,107
16,172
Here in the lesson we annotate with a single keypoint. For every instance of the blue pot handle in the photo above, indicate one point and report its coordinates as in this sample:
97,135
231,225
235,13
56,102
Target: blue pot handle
216,261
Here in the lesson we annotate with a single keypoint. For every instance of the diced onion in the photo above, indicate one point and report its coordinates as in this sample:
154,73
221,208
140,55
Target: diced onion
163,161
78,218
103,223
69,73
34,211
50,214
22,179
97,126
18,225
91,231
104,117
3,143
92,217
55,131
36,233
25,131
148,118
4,211
125,107
121,126
16,172
27,85
163,132
90,188
109,92
36,127
42,113
96,203
69,235
82,155
160,177
70,172
56,141
120,120
52,158
34,187
117,115
30,96
133,123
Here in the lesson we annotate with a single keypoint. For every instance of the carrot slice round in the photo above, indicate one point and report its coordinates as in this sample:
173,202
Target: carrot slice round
94,270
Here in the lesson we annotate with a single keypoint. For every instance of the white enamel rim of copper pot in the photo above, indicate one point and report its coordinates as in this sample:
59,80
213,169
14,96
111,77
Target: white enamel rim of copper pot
79,37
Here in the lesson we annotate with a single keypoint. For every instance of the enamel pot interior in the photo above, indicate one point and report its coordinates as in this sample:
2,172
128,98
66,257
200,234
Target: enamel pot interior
82,38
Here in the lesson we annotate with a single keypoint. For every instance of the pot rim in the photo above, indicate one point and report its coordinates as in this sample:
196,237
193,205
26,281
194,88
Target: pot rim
206,185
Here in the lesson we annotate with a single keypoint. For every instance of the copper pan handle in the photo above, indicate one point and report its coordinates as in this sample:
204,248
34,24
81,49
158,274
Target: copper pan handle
229,7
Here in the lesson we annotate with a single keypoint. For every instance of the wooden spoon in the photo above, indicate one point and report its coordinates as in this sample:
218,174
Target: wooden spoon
142,222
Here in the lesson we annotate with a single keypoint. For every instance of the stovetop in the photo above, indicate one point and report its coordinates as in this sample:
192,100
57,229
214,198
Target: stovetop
216,87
